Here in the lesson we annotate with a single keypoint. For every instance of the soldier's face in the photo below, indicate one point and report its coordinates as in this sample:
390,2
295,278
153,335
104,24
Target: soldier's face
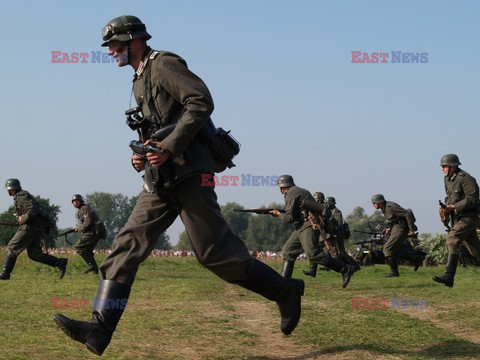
76,203
376,205
448,170
283,190
119,50
12,192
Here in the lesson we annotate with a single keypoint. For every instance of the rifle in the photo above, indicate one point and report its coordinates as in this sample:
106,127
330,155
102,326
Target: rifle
9,223
65,233
259,211
444,217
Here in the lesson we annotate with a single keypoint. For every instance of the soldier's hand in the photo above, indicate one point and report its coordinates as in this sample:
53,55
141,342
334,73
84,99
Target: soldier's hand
449,209
138,162
275,213
19,219
155,158
75,229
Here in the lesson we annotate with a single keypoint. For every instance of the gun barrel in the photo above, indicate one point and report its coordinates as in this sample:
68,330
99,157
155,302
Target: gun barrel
9,223
69,231
261,211
141,149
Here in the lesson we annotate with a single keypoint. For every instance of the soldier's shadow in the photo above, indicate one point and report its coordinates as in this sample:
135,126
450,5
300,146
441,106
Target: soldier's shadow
449,349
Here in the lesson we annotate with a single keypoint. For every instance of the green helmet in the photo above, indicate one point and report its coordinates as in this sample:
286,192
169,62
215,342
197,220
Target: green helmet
124,28
378,198
13,184
450,160
285,181
330,200
319,196
77,197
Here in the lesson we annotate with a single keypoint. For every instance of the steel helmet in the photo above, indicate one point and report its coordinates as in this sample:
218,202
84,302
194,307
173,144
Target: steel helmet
450,160
285,181
319,196
13,184
378,198
77,197
124,28
330,200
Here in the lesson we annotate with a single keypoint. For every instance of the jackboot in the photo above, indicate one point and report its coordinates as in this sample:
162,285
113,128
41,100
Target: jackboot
417,261
449,276
312,271
111,301
287,269
392,262
8,265
339,266
90,260
61,263
286,292
347,259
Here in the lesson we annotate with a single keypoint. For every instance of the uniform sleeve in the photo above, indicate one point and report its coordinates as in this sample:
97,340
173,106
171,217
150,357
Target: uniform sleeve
288,216
398,211
29,211
190,91
470,200
86,219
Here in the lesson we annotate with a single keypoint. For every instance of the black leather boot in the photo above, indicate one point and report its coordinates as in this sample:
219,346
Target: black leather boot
90,260
286,292
96,334
312,271
287,269
392,262
342,268
56,262
448,278
8,265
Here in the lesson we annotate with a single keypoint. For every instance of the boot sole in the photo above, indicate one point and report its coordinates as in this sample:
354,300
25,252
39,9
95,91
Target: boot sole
67,332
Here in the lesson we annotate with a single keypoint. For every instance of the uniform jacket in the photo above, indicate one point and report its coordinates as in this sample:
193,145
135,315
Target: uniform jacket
337,220
462,191
87,219
396,215
177,96
27,207
293,209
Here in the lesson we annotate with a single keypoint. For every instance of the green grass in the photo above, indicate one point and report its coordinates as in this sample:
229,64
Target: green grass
178,310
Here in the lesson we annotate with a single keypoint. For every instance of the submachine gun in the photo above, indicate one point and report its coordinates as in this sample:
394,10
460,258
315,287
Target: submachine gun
146,130
9,223
444,217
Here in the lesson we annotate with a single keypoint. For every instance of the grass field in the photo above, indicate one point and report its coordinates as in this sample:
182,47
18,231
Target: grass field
178,310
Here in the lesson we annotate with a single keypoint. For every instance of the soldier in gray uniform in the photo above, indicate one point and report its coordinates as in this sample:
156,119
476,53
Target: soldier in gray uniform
31,229
336,240
90,228
169,93
304,239
462,207
400,224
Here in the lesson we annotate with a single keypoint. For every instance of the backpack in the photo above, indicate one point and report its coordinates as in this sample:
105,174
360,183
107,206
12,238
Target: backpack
100,229
47,218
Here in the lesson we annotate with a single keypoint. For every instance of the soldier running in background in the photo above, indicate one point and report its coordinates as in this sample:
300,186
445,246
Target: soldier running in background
304,238
32,224
91,229
400,223
461,208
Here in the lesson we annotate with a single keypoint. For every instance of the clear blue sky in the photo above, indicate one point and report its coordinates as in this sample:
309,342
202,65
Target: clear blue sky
282,80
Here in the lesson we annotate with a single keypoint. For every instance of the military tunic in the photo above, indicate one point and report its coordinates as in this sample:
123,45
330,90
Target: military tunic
401,222
31,230
89,238
303,238
462,192
177,96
